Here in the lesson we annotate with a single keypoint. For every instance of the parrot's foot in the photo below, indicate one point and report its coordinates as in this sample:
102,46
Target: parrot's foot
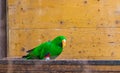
47,58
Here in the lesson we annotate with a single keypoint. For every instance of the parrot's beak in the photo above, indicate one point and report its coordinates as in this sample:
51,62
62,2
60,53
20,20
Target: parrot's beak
64,43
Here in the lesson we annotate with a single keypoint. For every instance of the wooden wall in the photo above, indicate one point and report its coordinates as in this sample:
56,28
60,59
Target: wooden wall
92,27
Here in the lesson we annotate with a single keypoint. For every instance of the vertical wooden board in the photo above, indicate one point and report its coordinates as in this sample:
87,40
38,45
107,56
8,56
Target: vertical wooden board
3,34
70,13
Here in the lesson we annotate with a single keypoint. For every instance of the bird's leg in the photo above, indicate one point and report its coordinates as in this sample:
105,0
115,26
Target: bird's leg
47,57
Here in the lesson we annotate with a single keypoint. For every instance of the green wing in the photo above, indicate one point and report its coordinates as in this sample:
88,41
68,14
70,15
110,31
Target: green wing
37,52
43,49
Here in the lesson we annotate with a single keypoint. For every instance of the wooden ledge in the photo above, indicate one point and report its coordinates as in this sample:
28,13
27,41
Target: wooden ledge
59,66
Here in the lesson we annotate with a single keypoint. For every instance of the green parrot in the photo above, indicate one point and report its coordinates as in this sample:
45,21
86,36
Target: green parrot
47,50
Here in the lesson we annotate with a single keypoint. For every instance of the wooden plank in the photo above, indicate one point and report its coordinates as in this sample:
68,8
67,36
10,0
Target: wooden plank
63,13
85,43
102,68
59,66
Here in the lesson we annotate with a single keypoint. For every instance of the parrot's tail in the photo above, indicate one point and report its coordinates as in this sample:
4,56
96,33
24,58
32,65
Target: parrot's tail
23,56
26,56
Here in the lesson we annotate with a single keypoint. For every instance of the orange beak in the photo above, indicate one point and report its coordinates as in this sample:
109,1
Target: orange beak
64,43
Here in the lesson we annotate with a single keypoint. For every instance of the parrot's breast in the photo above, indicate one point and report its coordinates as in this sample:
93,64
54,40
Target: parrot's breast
54,51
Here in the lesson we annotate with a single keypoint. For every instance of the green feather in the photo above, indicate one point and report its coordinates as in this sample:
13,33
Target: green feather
54,48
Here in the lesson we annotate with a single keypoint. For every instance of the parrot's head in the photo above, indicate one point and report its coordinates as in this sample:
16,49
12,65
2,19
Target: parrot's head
60,41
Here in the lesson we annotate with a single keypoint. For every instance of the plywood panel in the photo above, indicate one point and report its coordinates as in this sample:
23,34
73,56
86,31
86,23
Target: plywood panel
63,13
82,43
91,27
